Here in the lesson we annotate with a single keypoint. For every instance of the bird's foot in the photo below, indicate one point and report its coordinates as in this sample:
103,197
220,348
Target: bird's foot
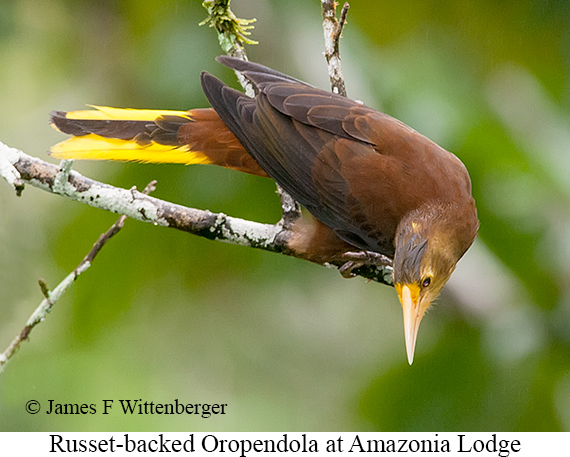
362,258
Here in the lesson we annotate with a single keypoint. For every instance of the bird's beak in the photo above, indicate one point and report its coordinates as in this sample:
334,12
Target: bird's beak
413,314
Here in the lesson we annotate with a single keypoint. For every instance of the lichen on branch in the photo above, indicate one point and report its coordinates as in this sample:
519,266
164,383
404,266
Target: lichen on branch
232,32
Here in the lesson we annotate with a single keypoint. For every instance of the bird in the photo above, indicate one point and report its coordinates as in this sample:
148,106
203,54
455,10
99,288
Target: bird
379,192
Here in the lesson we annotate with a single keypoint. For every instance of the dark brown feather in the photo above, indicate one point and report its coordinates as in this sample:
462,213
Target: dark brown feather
120,129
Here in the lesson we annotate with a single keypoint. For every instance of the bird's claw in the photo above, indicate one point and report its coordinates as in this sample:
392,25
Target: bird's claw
347,268
362,258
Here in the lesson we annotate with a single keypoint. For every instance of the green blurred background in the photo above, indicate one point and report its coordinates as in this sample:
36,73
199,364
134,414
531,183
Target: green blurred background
286,344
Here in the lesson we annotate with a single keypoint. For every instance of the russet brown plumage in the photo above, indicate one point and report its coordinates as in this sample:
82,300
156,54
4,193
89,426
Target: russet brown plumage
208,133
372,183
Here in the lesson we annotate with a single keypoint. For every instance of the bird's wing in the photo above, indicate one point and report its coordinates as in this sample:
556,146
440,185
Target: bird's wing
311,142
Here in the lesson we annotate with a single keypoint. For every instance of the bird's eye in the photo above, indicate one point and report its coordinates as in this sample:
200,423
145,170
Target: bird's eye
426,282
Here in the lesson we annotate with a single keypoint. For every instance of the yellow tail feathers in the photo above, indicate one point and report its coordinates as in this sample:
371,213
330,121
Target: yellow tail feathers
120,134
105,113
95,147
197,136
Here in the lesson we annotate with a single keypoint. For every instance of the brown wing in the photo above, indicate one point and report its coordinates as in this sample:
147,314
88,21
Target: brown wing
343,161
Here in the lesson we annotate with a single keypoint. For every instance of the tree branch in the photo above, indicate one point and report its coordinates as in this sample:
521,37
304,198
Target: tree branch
136,205
333,30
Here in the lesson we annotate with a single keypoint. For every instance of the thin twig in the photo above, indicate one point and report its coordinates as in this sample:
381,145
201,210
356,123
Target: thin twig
291,210
333,29
51,297
340,25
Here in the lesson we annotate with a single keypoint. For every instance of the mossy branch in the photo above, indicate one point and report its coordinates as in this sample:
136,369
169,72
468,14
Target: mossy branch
232,31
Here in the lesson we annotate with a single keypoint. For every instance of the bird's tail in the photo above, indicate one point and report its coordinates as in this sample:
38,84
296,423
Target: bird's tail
154,136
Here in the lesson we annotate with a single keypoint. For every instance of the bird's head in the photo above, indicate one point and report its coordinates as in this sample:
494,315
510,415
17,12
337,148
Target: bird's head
427,250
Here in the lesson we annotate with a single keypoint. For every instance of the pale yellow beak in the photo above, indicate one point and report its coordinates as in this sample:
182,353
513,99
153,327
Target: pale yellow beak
413,314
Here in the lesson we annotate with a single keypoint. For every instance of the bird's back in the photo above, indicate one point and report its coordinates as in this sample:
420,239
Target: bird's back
355,169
